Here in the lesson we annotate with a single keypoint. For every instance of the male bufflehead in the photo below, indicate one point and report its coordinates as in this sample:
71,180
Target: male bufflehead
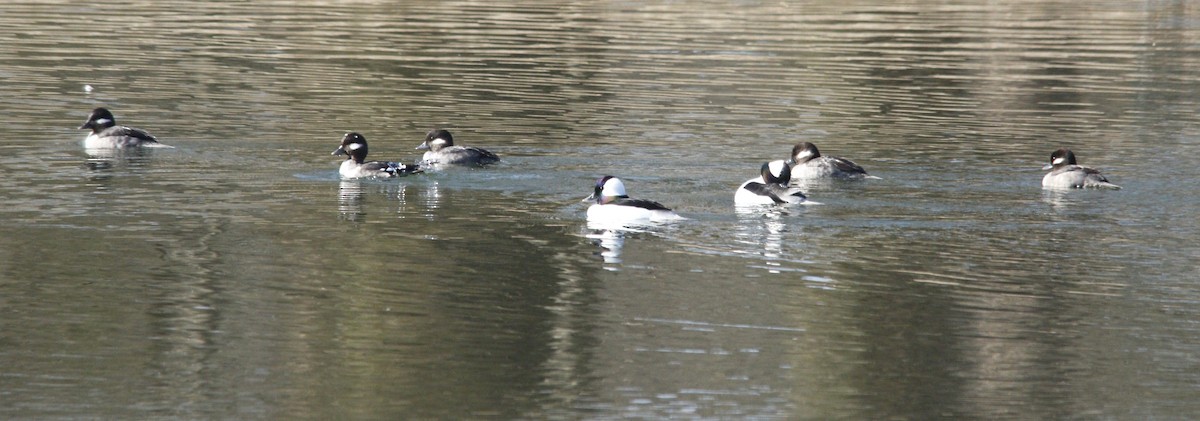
354,145
769,188
1066,174
106,134
614,206
442,151
808,163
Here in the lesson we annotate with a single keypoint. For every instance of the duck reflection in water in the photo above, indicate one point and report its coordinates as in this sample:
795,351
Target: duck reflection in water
761,232
419,201
350,201
354,196
431,200
610,241
104,163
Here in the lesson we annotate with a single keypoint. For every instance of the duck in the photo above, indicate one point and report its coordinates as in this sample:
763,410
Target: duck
354,146
443,151
106,134
808,163
1065,173
613,205
769,188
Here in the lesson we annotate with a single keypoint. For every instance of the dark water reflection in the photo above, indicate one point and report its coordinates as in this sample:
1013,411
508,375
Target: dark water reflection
236,277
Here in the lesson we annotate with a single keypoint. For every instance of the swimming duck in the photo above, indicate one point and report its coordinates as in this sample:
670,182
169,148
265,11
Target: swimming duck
354,146
808,163
769,188
443,151
106,134
1065,173
612,205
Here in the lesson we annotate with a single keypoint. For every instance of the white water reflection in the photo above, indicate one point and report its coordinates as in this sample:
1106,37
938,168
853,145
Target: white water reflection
610,237
610,242
761,229
430,199
350,200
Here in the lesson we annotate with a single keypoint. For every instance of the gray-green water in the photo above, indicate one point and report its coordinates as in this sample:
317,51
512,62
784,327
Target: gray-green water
235,277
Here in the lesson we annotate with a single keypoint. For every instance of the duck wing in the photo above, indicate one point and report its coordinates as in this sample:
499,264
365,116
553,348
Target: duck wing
125,131
642,203
763,189
1093,174
485,156
468,155
846,165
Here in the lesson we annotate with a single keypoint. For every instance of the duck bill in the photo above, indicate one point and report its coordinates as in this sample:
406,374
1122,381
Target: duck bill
87,125
1048,166
591,198
339,151
423,145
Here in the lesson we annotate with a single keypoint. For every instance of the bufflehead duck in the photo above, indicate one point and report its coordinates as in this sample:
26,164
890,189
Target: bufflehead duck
808,163
354,145
106,134
442,151
614,206
769,188
1066,174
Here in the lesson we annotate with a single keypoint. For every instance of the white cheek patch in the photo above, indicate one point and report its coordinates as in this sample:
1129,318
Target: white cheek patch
776,168
355,146
103,121
439,142
1057,161
806,154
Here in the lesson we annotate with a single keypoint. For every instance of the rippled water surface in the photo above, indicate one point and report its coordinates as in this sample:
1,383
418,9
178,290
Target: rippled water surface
235,277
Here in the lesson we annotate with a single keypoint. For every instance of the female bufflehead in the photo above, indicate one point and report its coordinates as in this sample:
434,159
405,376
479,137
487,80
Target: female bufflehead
355,146
1066,174
442,151
614,206
106,134
808,163
768,188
